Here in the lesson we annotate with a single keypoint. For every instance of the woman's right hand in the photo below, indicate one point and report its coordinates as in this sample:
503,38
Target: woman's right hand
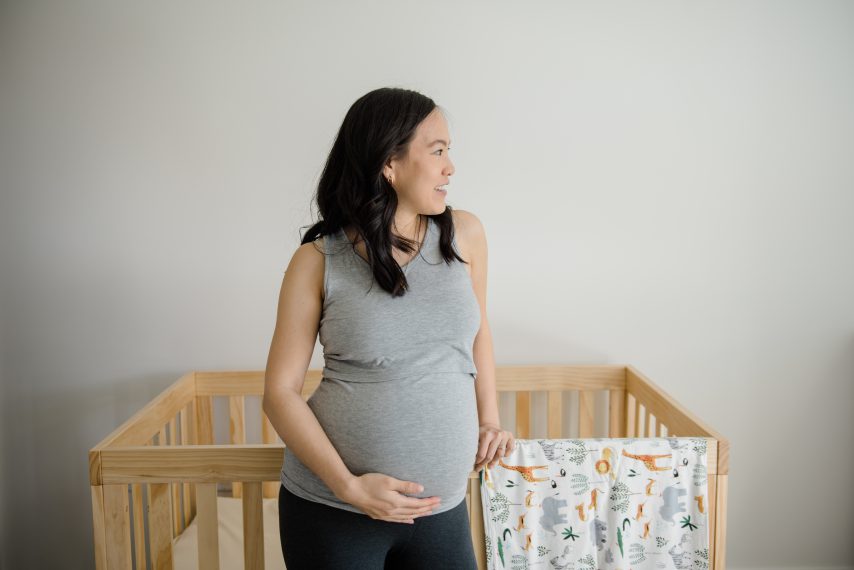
382,497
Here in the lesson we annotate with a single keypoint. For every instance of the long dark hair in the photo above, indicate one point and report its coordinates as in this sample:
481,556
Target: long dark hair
379,126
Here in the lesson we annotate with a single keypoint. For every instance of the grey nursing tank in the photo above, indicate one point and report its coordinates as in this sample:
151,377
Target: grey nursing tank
397,395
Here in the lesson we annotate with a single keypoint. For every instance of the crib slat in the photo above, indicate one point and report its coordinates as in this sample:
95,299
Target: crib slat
138,526
208,525
646,422
117,527
253,526
585,413
185,487
639,414
204,420
555,414
237,420
194,439
174,487
523,415
630,415
268,436
159,525
616,413
237,429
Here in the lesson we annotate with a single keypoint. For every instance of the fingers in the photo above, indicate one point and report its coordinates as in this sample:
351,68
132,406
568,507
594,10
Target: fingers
487,447
493,447
406,515
409,502
409,513
407,487
407,506
487,450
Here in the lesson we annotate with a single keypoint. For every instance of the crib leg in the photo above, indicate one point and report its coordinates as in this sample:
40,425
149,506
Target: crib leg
719,538
476,518
253,526
98,527
111,514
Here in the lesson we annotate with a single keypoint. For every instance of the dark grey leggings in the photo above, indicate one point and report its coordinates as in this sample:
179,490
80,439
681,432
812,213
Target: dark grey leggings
316,536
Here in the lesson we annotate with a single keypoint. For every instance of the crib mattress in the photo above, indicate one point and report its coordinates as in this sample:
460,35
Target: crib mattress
185,549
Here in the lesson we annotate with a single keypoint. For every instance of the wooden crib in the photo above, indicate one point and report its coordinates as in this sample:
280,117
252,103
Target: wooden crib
157,474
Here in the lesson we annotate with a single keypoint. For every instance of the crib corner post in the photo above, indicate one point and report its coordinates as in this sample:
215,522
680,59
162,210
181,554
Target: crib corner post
98,527
719,537
111,517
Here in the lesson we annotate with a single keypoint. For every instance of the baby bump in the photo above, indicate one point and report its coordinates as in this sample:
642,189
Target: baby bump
421,429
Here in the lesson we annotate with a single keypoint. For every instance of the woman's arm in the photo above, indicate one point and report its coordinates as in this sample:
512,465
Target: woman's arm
484,358
472,242
293,342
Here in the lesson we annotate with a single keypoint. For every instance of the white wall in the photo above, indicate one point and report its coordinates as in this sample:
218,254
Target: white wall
665,184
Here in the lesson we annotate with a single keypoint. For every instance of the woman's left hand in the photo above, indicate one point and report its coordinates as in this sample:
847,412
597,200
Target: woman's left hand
494,443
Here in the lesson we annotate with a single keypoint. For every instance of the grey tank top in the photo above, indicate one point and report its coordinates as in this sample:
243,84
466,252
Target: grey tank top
397,395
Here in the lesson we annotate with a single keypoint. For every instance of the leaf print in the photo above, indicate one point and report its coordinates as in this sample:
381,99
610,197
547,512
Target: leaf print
699,445
686,522
577,451
700,475
587,563
499,506
637,553
579,483
619,496
569,534
518,562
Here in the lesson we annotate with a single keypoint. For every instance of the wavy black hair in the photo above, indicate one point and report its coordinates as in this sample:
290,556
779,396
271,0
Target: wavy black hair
379,126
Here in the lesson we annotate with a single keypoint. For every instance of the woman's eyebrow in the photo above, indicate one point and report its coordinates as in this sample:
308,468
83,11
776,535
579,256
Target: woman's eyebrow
442,141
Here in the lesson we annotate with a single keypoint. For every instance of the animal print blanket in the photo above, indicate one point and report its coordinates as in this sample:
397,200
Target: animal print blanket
581,504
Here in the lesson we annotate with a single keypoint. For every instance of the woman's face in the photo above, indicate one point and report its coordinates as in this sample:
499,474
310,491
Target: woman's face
425,167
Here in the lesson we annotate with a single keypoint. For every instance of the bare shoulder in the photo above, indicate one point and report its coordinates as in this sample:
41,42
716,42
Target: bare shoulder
469,231
306,268
309,255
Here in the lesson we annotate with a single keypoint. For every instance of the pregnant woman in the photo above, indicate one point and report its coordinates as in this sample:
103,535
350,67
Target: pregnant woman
394,281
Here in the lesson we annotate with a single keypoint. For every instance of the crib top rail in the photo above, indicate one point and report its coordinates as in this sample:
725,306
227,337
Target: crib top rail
560,377
125,454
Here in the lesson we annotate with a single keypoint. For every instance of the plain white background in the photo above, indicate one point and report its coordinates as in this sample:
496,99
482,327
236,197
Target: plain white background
663,184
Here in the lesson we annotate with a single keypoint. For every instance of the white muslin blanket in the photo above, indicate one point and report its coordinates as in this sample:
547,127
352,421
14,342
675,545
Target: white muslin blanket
581,504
